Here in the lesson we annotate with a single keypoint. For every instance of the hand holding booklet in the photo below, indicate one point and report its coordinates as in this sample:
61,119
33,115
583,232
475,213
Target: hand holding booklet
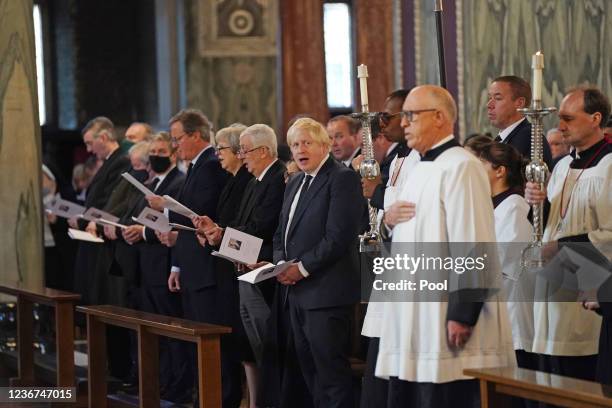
173,205
153,219
83,236
265,272
95,215
240,247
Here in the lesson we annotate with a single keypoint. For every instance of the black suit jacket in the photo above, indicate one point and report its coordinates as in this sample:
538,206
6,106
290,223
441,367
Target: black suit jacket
153,257
378,198
200,193
520,138
105,181
261,206
323,236
231,197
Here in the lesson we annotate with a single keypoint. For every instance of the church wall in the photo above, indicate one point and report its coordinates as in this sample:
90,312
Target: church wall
231,60
21,213
489,38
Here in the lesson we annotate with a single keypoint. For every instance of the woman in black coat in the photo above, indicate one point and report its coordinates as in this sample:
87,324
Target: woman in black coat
227,146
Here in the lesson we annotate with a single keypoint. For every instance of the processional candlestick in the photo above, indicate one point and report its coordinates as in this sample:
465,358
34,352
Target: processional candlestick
536,171
370,241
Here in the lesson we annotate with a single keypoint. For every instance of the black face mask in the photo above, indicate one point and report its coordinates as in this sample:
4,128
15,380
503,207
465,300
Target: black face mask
140,175
159,164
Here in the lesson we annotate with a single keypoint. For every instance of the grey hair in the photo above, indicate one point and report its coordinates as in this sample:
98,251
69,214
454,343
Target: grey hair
231,135
99,125
262,135
141,151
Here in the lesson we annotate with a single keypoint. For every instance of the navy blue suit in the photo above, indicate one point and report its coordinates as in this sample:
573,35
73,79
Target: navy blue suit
520,138
207,293
323,236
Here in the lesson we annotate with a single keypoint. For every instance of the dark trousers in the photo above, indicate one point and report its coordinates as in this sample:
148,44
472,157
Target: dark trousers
322,344
175,375
375,390
454,394
210,305
582,367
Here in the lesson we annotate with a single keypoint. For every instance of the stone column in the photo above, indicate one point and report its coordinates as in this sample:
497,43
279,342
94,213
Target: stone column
21,251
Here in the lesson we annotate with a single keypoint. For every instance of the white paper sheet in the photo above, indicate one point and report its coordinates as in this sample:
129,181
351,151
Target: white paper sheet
83,236
240,247
64,208
155,220
173,205
137,184
93,214
265,272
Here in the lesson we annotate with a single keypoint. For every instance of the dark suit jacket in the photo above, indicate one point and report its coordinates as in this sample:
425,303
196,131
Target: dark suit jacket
231,197
520,138
260,207
153,257
105,181
378,198
323,236
200,193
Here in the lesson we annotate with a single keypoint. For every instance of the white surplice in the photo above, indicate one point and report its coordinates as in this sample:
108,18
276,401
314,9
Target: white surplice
374,313
513,231
453,204
565,328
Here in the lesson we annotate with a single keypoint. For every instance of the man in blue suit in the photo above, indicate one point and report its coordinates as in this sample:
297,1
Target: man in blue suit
206,295
318,229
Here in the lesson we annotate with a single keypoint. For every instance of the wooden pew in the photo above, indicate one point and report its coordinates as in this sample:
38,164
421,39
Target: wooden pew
149,326
497,385
63,302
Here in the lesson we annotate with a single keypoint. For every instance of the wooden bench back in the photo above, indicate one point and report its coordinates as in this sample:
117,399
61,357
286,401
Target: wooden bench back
538,385
164,325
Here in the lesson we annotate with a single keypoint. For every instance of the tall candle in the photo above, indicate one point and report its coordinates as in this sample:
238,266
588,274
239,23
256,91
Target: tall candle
538,65
362,74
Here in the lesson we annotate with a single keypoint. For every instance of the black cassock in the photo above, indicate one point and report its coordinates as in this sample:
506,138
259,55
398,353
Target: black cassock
604,360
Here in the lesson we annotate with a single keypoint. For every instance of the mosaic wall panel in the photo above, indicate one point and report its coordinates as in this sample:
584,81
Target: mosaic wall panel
20,208
232,71
499,37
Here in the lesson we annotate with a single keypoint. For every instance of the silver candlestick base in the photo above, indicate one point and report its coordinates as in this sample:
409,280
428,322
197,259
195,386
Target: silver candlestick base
536,172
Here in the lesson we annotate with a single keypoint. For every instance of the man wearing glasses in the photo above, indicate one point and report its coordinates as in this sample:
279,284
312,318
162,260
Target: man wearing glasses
425,345
206,295
389,143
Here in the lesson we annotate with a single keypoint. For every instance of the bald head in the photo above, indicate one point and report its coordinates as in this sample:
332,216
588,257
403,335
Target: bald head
439,98
430,113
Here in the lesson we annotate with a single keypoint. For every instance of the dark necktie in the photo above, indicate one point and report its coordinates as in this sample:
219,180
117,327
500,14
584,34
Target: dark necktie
154,184
189,171
498,138
305,186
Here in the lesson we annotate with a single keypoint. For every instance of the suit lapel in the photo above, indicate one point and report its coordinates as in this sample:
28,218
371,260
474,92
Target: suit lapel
516,130
319,181
201,160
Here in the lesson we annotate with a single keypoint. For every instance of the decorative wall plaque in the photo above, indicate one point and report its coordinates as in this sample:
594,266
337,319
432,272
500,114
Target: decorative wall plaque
237,27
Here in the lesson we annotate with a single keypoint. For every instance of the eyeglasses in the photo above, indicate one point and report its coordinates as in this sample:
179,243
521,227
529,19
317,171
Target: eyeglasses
409,115
243,152
384,118
218,149
177,140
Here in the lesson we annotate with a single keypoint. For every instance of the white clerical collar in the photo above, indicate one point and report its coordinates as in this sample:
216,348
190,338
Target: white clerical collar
195,159
390,149
349,161
441,142
506,132
316,171
263,173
